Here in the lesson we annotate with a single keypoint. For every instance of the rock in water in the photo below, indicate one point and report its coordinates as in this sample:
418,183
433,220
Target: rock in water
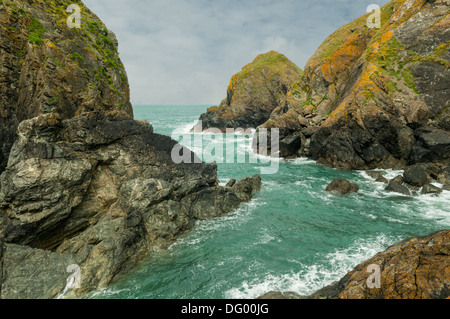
342,187
368,98
416,175
416,268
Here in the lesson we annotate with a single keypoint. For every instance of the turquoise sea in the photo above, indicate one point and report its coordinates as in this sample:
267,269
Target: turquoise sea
293,236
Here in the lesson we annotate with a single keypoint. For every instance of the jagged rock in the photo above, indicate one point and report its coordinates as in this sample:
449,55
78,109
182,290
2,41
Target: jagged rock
374,174
398,188
416,175
342,187
49,68
416,268
254,93
103,189
430,189
231,183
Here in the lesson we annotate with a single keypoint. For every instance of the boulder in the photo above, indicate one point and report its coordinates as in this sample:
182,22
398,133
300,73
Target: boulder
430,189
342,187
416,175
396,186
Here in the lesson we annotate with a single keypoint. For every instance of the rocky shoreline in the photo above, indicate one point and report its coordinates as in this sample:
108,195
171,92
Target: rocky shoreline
416,268
84,184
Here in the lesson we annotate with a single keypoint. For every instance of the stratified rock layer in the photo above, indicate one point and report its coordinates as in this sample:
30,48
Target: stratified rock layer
100,191
47,67
254,93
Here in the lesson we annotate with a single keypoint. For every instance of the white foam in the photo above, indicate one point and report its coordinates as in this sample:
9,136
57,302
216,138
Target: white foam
301,161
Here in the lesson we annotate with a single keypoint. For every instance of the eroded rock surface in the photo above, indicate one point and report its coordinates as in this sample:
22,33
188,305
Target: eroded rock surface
99,190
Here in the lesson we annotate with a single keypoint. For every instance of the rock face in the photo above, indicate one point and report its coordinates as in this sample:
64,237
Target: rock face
254,93
101,191
46,67
369,97
416,268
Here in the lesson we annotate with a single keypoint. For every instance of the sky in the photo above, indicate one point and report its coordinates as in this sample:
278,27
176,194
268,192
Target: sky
186,51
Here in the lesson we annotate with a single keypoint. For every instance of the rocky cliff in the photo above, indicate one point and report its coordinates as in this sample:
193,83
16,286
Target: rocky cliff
416,268
369,97
47,67
84,183
254,93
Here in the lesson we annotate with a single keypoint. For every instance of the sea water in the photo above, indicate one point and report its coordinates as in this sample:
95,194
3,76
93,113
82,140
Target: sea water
293,236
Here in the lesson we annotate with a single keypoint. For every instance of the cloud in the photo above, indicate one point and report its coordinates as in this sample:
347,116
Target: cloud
185,51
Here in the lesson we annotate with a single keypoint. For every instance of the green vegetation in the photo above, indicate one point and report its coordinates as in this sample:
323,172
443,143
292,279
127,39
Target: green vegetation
76,56
35,32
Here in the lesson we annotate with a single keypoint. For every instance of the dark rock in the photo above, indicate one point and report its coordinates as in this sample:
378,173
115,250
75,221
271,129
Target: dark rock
433,145
342,187
396,187
446,187
382,179
290,146
374,174
102,189
416,175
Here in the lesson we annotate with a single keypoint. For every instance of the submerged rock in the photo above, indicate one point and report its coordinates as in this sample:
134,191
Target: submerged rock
430,189
254,93
396,185
342,187
102,191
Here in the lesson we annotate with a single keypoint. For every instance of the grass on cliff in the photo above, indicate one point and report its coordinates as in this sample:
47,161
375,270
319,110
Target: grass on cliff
35,32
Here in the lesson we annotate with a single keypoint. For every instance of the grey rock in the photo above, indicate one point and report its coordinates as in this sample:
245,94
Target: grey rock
416,175
430,189
342,187
395,187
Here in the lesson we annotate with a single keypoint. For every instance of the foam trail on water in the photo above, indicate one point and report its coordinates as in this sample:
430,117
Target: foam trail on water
312,278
